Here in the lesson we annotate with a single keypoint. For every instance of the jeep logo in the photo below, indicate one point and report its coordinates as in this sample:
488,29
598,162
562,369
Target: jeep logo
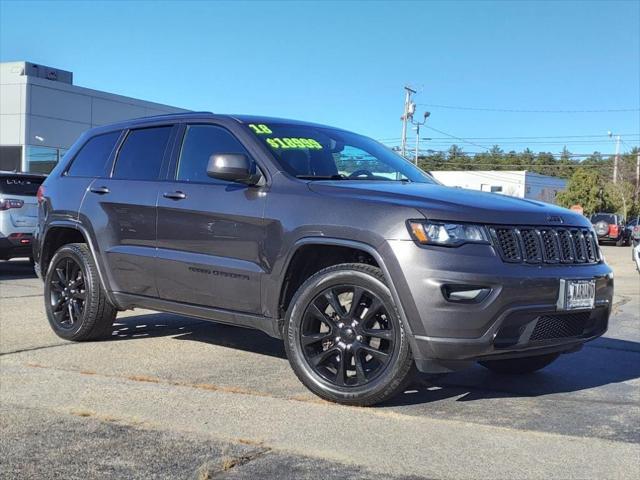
554,219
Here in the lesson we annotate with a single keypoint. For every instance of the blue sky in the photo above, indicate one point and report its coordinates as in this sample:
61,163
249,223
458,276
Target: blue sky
345,63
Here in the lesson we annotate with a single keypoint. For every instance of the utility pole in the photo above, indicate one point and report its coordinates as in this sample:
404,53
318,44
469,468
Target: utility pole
409,108
637,175
418,124
616,159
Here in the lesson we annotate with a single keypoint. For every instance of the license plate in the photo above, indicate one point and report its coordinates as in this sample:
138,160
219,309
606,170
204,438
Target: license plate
577,294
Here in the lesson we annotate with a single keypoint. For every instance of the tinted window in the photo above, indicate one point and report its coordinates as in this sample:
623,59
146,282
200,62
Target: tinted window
92,159
10,158
200,142
20,185
603,217
141,155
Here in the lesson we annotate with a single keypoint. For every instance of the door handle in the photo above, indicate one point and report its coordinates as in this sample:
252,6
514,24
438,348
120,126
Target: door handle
99,190
174,195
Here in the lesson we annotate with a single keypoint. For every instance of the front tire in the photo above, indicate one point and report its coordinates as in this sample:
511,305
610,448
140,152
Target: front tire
344,337
519,366
77,307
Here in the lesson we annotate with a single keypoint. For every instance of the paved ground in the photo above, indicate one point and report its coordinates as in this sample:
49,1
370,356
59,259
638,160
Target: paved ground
174,397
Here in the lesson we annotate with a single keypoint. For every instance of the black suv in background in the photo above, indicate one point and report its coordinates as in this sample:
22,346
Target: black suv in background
362,263
610,228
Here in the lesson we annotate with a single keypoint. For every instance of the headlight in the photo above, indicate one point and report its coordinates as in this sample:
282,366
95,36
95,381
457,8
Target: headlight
447,234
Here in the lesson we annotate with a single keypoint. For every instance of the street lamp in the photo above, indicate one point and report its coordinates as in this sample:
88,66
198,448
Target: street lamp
418,125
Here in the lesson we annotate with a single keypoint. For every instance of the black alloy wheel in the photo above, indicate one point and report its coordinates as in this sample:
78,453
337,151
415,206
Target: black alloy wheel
347,336
67,293
76,304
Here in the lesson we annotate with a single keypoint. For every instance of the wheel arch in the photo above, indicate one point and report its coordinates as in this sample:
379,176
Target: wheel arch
63,232
353,245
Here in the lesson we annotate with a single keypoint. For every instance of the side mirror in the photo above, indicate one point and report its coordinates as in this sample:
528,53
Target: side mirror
233,167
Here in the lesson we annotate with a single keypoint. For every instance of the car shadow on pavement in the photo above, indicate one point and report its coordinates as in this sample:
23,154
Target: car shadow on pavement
186,328
602,362
16,270
605,361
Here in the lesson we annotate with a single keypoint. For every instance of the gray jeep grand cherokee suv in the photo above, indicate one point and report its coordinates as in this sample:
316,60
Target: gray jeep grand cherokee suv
362,263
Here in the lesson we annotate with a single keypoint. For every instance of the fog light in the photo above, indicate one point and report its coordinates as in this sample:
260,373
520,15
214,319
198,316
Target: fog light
465,293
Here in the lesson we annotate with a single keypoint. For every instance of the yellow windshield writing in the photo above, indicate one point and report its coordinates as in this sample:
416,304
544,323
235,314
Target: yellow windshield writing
260,129
285,143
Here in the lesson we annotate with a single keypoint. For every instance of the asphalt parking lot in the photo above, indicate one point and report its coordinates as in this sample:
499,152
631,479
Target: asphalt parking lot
176,397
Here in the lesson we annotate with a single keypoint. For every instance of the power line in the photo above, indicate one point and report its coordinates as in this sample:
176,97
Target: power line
527,138
519,110
535,142
457,138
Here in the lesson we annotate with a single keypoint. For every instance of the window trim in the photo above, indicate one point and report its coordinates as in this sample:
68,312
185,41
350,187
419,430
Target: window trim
165,156
108,163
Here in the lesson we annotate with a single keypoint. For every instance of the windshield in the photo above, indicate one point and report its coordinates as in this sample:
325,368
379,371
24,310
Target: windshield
319,153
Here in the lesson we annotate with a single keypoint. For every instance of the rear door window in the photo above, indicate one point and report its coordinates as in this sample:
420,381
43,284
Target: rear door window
603,217
22,185
91,160
141,155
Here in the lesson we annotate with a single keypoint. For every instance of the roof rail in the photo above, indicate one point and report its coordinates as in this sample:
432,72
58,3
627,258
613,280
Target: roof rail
176,113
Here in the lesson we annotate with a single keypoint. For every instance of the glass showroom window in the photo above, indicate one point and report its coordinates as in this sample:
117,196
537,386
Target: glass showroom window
41,159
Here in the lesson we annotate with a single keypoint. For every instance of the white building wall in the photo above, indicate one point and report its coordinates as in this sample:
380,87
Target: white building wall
505,182
516,183
12,107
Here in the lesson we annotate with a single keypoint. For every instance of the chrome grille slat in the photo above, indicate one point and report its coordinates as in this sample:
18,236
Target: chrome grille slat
548,245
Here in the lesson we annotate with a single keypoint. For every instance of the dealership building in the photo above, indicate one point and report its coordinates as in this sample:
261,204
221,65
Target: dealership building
42,113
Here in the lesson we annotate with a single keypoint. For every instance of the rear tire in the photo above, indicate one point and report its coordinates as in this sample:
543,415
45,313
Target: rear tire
76,304
356,353
519,366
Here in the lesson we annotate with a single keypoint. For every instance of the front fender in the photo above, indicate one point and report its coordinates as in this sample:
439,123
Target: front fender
387,265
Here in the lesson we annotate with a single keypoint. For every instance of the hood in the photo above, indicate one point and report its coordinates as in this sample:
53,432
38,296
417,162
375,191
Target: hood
438,202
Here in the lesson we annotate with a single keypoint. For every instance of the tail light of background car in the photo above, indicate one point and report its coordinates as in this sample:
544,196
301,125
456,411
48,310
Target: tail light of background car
7,203
613,230
40,194
21,238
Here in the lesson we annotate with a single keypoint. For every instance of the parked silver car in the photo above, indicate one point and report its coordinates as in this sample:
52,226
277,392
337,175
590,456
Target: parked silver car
18,213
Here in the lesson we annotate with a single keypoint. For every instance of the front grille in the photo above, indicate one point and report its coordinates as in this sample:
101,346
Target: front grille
545,245
549,327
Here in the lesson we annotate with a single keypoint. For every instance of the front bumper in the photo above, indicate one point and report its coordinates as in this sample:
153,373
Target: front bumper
519,317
